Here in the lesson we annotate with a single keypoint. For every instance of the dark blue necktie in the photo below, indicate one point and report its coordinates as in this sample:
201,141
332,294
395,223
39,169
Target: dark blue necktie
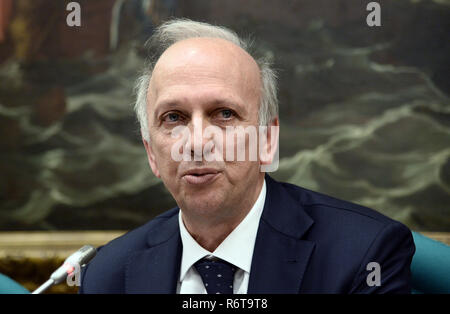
217,275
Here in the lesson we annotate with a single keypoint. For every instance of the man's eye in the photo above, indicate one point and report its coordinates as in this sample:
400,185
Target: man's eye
226,113
172,117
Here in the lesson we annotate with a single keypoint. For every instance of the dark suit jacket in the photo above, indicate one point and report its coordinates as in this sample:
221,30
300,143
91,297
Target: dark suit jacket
307,242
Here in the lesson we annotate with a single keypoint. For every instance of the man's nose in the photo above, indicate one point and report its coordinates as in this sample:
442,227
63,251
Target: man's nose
197,141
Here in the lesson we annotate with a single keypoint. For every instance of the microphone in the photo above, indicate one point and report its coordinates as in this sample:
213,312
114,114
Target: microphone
71,264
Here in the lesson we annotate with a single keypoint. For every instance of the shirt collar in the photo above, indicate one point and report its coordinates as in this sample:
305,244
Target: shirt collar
237,248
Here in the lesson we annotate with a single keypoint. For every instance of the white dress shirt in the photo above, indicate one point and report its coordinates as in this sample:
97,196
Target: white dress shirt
237,249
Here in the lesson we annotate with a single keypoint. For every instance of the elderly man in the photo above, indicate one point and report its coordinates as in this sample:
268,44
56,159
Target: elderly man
236,230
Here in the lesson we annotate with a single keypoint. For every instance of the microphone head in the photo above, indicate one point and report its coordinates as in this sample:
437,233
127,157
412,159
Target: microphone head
73,263
82,256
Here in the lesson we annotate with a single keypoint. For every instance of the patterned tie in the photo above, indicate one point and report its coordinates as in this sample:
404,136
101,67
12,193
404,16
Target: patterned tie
217,275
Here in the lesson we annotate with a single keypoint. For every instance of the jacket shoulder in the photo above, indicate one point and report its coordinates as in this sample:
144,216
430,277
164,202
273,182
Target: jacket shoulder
314,202
105,273
350,236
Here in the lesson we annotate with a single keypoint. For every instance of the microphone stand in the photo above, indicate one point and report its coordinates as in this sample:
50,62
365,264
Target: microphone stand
44,286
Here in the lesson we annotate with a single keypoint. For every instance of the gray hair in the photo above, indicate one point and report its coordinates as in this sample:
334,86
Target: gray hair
179,29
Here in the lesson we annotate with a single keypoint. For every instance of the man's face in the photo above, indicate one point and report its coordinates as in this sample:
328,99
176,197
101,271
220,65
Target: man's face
199,83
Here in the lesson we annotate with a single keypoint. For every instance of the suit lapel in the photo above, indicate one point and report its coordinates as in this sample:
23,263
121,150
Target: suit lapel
156,269
280,256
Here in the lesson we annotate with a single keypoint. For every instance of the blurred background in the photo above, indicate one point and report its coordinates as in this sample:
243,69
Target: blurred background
365,111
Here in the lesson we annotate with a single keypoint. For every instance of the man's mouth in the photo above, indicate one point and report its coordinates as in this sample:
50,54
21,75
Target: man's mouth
200,176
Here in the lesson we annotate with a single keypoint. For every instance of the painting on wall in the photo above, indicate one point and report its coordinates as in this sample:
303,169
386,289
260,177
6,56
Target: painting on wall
364,110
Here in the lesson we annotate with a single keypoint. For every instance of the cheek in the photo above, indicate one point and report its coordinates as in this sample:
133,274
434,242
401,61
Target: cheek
239,172
241,146
162,145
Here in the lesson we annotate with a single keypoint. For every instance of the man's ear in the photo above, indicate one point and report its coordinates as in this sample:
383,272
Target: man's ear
151,158
269,147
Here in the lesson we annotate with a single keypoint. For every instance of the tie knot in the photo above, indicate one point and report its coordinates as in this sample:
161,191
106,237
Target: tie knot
217,275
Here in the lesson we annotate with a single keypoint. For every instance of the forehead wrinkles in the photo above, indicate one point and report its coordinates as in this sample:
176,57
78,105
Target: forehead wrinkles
194,59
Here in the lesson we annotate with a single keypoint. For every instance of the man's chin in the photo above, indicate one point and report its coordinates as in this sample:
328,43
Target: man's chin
204,203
